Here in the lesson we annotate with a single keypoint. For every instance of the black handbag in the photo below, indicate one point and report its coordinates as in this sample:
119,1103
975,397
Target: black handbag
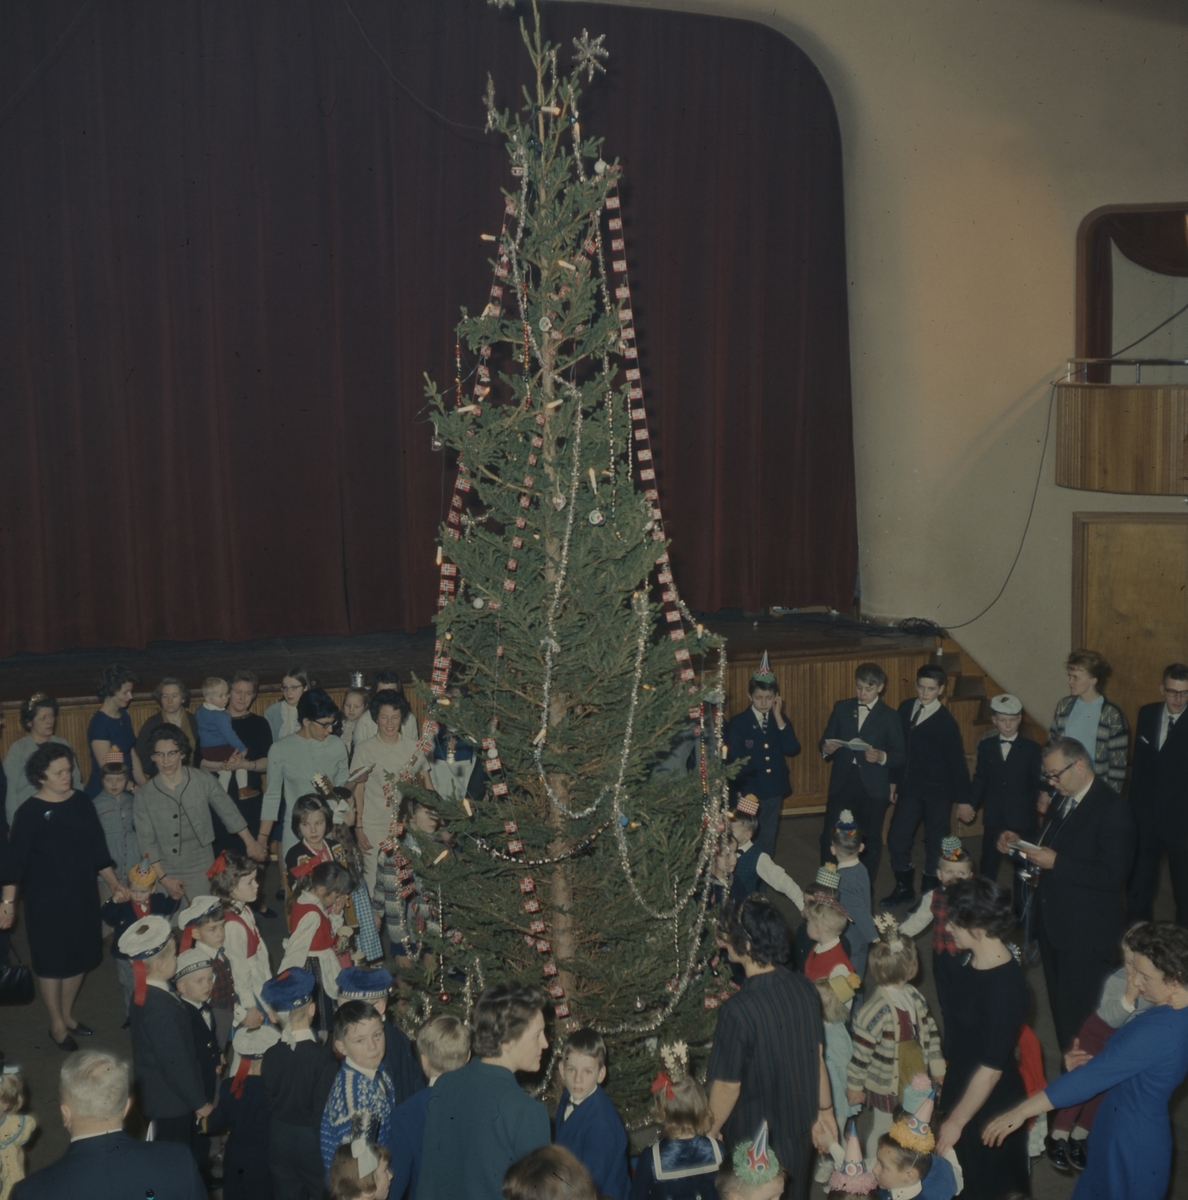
16,983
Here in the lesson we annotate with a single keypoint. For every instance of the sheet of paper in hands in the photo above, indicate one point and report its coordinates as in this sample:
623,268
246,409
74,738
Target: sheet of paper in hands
358,773
857,745
1022,845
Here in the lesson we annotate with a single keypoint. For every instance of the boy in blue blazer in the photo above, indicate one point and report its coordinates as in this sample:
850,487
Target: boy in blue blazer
587,1123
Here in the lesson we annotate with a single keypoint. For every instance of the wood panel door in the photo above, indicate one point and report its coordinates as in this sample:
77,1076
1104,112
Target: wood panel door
1130,598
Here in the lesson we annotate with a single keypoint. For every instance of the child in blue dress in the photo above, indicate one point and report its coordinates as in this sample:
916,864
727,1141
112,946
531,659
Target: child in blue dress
684,1162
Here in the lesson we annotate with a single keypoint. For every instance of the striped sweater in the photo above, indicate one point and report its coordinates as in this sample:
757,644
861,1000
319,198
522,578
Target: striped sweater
1113,740
874,1066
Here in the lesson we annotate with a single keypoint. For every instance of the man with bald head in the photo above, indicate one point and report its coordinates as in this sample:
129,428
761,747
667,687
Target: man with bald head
103,1162
1084,853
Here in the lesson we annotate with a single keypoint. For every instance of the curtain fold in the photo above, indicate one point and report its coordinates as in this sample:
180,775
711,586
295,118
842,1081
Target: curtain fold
230,245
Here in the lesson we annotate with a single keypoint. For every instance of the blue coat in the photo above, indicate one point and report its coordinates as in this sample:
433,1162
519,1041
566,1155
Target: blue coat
406,1143
595,1134
765,775
115,1167
1130,1146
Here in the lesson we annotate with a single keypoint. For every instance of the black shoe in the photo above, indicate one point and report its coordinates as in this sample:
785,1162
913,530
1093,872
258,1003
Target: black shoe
67,1044
904,892
127,1023
265,912
1057,1152
281,895
1076,1152
83,1030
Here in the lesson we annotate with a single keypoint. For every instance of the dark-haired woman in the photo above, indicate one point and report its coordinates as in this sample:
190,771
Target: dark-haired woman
1130,1147
110,733
53,855
295,760
988,1008
38,717
174,698
767,1061
173,817
281,715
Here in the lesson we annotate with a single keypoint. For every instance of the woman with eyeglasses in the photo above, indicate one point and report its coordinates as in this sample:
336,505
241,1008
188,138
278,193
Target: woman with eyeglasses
173,817
282,715
54,853
293,761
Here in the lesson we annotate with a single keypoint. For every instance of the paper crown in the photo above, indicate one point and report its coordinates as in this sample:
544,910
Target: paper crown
143,875
291,989
357,679
845,823
1006,705
747,806
755,1162
952,849
763,672
828,877
198,908
912,1129
889,934
324,788
852,1177
359,983
675,1057
192,960
114,755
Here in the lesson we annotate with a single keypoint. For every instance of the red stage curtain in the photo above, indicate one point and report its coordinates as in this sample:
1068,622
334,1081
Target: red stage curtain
230,245
1153,236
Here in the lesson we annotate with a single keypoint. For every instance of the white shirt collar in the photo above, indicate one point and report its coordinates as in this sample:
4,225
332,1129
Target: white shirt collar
192,1003
826,946
854,862
745,846
575,1101
925,710
85,1137
212,707
354,1066
907,1192
760,717
1003,738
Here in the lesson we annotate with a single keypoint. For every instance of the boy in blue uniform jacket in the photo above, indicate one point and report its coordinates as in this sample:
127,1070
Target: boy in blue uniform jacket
587,1123
763,736
443,1043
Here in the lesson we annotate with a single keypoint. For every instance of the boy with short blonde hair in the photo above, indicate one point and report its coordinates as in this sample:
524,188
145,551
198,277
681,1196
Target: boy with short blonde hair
587,1123
216,735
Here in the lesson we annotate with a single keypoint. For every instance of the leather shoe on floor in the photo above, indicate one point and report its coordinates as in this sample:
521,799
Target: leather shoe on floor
1057,1151
1076,1152
265,912
67,1044
903,894
83,1030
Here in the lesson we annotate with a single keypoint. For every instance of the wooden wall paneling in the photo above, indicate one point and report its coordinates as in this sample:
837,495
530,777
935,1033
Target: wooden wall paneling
1129,598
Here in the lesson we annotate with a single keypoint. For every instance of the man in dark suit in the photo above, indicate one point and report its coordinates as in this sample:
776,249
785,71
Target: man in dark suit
103,1162
762,735
1159,797
1006,785
1085,852
933,778
860,780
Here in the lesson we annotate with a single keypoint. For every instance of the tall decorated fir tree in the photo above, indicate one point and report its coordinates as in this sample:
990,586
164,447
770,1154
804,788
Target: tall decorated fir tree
585,868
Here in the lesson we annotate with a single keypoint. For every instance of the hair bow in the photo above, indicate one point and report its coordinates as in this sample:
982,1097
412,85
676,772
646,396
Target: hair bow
663,1082
218,866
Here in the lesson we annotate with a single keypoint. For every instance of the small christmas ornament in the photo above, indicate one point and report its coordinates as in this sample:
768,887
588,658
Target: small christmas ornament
639,1004
596,518
545,324
444,997
558,501
435,443
478,602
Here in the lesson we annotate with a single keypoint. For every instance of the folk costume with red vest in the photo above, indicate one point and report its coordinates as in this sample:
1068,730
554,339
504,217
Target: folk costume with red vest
310,945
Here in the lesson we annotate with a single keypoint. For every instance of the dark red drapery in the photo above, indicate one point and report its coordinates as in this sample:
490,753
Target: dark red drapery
230,245
1153,236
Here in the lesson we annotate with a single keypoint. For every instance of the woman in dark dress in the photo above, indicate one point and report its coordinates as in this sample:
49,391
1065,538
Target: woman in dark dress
55,851
988,1009
111,727
767,1062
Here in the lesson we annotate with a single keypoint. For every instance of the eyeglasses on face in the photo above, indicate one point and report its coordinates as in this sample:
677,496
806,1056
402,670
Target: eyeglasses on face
1052,776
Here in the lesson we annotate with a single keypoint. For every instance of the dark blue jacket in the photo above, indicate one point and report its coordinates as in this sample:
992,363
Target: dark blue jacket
408,1136
119,916
595,1134
116,1167
765,775
939,1184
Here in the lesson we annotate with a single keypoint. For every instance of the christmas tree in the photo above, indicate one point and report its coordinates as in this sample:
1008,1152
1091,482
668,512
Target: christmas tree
585,868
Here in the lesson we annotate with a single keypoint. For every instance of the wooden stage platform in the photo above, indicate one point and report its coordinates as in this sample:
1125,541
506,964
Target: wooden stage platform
813,656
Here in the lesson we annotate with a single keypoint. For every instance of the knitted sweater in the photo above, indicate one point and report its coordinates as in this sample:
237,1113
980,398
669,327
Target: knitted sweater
1113,739
874,1066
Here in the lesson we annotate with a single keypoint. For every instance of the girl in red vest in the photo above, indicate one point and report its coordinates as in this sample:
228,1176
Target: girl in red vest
234,880
315,919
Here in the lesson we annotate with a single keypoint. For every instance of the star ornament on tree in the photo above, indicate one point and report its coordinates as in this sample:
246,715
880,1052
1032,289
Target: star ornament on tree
588,52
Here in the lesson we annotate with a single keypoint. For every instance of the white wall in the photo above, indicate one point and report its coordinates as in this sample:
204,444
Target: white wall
976,136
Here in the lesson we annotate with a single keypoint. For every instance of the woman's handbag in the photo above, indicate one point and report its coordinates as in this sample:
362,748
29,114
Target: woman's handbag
16,983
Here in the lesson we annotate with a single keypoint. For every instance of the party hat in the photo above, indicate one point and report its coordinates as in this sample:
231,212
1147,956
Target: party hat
912,1129
755,1162
852,1177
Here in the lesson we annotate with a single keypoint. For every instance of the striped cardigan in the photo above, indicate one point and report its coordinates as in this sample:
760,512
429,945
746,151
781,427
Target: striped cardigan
1113,740
874,1066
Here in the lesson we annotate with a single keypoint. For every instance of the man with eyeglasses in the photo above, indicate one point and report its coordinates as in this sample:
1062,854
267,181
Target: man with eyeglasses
1084,855
1159,797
